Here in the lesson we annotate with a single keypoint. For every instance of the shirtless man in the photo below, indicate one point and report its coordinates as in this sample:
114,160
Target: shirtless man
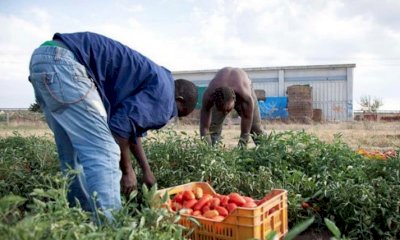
230,89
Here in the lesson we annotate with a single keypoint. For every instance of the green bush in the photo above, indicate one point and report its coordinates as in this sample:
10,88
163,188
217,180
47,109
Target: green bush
24,163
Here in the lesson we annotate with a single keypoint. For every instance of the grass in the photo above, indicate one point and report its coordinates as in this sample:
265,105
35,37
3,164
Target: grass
25,129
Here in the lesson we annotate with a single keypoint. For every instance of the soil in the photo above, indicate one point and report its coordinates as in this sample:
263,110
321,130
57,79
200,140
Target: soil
312,235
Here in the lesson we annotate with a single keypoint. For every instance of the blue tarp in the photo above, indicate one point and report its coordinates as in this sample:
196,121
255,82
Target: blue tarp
274,108
277,102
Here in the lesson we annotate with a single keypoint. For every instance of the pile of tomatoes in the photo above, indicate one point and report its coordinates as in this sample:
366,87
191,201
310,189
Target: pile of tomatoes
196,203
378,155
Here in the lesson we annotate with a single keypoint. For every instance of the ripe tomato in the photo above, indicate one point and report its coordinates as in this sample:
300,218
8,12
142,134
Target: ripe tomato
224,200
250,205
205,209
248,199
214,202
188,195
218,218
231,207
237,199
196,213
222,211
305,205
178,197
202,201
210,213
189,203
220,196
198,192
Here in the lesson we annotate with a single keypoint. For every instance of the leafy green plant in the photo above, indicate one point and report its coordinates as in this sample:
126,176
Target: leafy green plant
331,178
9,208
51,218
324,181
24,162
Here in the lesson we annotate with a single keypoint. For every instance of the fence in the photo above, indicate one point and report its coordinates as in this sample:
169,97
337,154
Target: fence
381,115
10,116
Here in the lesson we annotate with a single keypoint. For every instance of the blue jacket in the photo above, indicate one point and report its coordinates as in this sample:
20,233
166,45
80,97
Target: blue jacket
137,94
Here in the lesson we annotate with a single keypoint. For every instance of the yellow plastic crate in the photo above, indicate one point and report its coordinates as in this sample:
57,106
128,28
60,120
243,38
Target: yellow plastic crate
242,223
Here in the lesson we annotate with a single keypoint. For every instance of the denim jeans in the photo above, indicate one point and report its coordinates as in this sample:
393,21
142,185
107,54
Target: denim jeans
76,115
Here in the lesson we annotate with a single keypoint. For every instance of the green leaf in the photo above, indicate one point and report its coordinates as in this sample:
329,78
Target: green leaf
142,222
159,220
195,221
271,236
332,227
10,202
133,194
145,190
39,203
153,191
299,228
165,197
177,218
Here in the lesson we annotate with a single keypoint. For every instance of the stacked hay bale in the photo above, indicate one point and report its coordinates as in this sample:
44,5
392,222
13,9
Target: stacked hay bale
317,115
300,103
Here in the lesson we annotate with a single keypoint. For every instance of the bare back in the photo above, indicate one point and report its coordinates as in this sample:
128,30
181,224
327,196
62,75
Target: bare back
234,78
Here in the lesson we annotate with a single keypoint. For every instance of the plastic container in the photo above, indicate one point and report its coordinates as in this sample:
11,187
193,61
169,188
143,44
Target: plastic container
242,223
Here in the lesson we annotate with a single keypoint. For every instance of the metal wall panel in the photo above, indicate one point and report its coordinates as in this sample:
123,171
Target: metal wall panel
310,72
330,96
270,88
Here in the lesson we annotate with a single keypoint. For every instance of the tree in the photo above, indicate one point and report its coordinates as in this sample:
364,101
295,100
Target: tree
35,107
370,104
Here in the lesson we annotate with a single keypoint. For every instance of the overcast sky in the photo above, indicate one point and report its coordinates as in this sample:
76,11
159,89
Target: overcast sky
210,34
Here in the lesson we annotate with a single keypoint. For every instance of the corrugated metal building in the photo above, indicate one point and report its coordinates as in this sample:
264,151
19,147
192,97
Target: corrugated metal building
332,85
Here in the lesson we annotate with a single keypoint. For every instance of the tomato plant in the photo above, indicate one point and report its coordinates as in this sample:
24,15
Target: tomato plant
336,182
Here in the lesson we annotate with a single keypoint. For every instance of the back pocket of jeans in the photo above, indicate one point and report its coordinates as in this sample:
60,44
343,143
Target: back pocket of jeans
59,92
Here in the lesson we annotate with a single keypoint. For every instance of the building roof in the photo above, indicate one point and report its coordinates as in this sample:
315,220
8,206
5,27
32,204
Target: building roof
347,65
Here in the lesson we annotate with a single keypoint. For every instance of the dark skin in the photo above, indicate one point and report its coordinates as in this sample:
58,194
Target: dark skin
238,80
128,180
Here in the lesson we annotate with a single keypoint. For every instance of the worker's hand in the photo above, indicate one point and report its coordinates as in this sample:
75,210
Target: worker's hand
207,138
243,140
128,183
148,178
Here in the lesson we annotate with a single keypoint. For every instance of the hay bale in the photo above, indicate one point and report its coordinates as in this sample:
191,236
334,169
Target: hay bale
317,115
300,103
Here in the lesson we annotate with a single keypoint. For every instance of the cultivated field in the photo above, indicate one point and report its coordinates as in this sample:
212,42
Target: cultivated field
357,134
317,164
